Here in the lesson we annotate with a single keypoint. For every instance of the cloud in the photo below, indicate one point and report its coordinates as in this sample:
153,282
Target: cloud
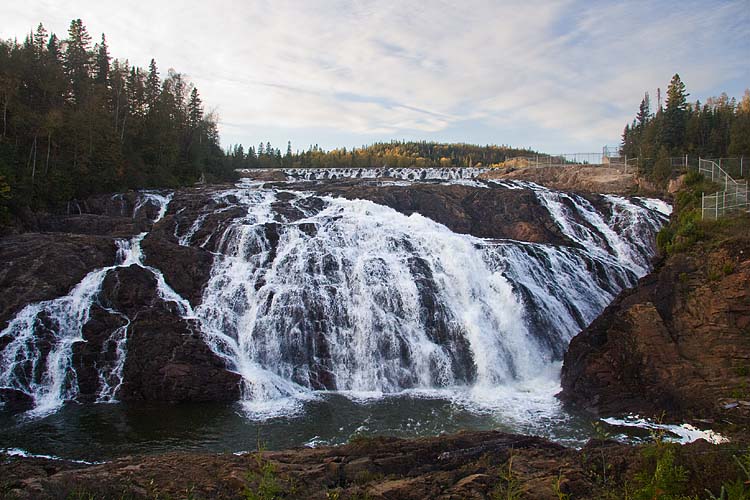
551,73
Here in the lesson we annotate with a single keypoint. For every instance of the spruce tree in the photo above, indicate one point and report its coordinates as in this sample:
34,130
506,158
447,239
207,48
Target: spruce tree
675,115
644,112
102,62
40,40
153,86
78,59
195,109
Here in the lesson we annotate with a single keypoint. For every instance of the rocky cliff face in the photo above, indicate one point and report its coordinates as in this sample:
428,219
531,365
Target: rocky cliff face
679,342
485,213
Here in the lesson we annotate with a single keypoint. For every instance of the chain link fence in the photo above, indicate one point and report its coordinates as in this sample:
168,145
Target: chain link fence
733,197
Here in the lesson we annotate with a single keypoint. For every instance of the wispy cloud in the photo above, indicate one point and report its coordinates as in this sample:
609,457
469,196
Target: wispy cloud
554,75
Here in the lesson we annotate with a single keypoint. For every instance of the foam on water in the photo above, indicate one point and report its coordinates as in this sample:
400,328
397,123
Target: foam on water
17,452
683,434
406,174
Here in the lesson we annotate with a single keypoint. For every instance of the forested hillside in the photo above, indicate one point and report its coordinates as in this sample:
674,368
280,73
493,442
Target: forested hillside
391,154
76,122
718,128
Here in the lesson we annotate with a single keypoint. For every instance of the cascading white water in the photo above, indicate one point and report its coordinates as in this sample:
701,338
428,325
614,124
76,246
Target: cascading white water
360,298
38,359
409,174
373,301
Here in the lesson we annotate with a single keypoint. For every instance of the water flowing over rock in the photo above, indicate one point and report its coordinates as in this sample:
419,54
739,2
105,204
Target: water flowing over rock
271,292
75,346
408,174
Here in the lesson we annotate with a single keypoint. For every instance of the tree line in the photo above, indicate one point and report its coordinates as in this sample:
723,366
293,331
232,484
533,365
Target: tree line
76,122
395,154
718,128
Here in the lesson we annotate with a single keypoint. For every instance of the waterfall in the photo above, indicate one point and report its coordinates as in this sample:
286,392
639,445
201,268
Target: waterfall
356,297
360,298
38,359
408,174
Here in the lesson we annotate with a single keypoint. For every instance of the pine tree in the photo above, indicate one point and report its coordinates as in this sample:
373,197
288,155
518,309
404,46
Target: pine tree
102,62
195,109
53,47
153,86
78,59
40,40
675,114
644,112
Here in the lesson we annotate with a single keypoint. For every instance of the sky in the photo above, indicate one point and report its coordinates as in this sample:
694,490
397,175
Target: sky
556,76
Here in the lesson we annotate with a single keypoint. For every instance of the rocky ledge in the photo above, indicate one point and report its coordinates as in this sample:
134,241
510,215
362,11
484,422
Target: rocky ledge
467,465
486,213
677,343
587,179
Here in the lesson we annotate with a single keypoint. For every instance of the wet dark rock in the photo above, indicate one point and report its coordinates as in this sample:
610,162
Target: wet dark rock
129,290
14,401
90,356
494,212
36,267
168,360
121,227
117,205
186,269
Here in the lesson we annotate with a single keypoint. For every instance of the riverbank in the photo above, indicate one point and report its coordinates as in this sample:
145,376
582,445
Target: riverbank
464,465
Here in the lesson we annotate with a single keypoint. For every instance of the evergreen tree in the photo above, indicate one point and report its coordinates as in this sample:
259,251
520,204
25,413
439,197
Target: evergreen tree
675,114
102,62
644,112
53,47
153,86
195,109
78,59
40,40
75,123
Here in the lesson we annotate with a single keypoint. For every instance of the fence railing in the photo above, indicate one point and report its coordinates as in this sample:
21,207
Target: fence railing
732,198
569,159
735,167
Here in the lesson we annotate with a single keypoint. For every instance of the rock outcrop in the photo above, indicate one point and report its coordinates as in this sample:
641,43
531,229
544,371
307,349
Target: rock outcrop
167,358
485,213
679,342
467,465
588,179
35,267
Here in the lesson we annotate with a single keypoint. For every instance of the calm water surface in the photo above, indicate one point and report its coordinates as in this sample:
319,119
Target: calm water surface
106,431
